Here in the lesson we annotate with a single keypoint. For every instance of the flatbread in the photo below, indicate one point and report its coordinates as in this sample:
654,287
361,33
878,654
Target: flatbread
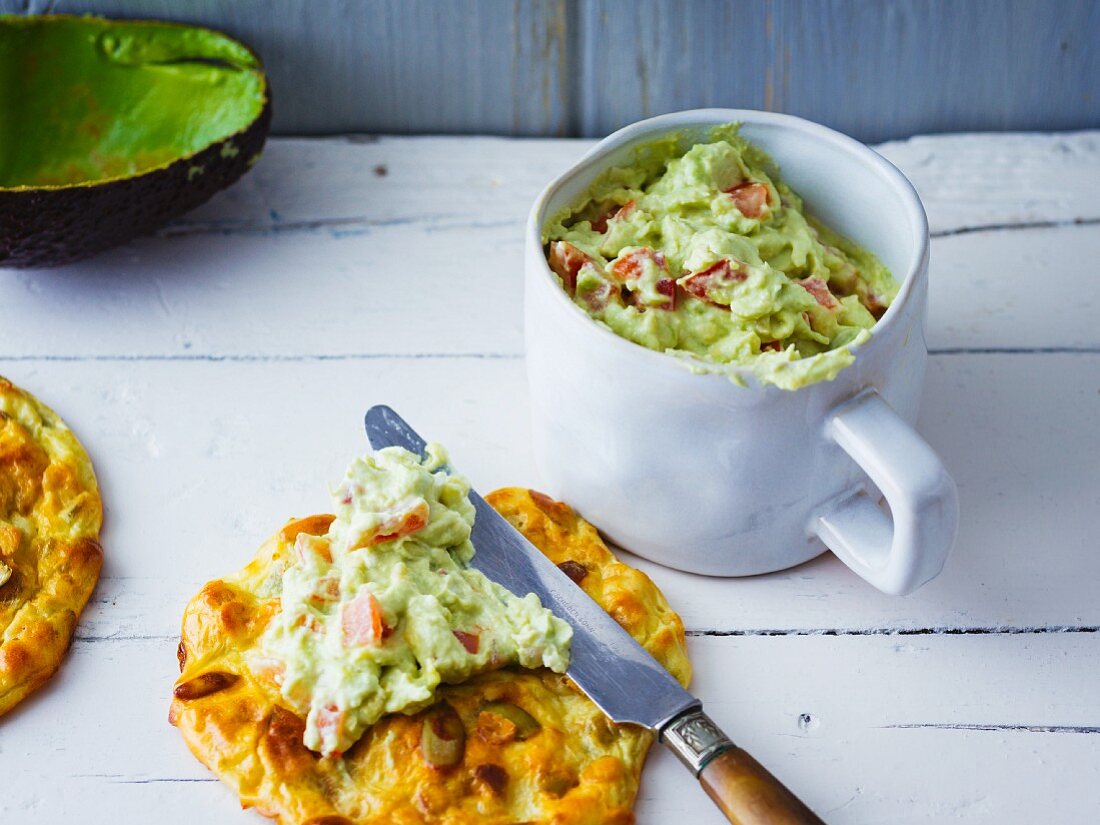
577,767
50,515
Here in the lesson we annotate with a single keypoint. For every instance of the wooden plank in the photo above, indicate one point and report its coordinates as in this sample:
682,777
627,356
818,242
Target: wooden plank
873,70
899,730
1014,289
259,270
348,182
991,729
218,454
876,70
884,70
268,292
968,182
653,56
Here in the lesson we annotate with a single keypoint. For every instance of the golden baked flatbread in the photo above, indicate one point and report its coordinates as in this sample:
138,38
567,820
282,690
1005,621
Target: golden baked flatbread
50,515
535,749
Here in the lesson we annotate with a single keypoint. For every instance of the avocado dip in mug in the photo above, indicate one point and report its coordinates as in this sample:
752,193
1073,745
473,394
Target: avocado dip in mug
708,254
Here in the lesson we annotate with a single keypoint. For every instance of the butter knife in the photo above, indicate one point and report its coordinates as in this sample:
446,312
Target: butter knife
612,669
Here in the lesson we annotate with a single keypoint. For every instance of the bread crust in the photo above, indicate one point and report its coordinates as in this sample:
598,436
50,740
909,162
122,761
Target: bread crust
50,516
577,768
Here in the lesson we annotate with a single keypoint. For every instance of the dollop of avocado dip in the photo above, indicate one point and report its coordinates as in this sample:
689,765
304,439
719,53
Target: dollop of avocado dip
704,253
381,609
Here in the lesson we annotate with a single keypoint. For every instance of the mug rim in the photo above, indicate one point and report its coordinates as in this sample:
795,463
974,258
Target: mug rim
654,127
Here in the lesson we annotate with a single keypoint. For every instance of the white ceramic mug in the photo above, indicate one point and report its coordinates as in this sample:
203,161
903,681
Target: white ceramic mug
694,472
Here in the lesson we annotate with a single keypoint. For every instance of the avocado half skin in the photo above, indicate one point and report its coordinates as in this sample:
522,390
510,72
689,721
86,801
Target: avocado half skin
49,225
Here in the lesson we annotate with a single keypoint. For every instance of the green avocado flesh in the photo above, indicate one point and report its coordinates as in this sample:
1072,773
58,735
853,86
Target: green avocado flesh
87,100
378,612
702,252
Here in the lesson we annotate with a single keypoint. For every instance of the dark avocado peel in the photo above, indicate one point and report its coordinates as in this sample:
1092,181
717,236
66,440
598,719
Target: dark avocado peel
110,128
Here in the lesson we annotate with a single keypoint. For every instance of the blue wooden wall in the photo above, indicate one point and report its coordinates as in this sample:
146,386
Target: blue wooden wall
876,69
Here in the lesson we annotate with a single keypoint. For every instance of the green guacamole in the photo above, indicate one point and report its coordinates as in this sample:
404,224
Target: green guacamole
707,254
383,608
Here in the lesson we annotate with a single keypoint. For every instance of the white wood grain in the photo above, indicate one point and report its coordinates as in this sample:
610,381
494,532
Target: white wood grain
867,729
200,461
218,374
1015,289
969,181
313,253
965,181
390,291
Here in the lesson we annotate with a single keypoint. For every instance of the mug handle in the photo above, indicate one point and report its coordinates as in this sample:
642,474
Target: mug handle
895,557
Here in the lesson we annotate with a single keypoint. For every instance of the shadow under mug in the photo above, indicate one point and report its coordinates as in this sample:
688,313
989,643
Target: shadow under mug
697,473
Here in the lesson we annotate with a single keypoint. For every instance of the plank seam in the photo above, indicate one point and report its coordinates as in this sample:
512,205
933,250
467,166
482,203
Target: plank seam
156,781
119,779
119,637
1014,351
258,358
234,227
1007,227
441,222
448,356
992,630
1086,729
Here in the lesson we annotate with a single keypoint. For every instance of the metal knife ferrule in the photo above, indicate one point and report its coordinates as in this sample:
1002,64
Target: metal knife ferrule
695,739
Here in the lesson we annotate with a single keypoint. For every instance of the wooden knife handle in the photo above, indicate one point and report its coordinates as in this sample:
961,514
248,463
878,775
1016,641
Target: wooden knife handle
739,785
748,795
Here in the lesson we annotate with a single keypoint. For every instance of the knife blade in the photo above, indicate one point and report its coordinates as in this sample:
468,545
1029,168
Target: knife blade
613,670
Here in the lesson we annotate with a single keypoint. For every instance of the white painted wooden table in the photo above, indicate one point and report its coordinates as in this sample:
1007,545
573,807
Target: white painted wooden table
218,374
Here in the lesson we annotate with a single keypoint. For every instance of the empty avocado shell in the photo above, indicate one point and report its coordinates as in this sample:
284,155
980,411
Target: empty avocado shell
110,128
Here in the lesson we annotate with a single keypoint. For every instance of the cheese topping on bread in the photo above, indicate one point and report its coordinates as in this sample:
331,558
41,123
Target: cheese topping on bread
512,745
50,515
